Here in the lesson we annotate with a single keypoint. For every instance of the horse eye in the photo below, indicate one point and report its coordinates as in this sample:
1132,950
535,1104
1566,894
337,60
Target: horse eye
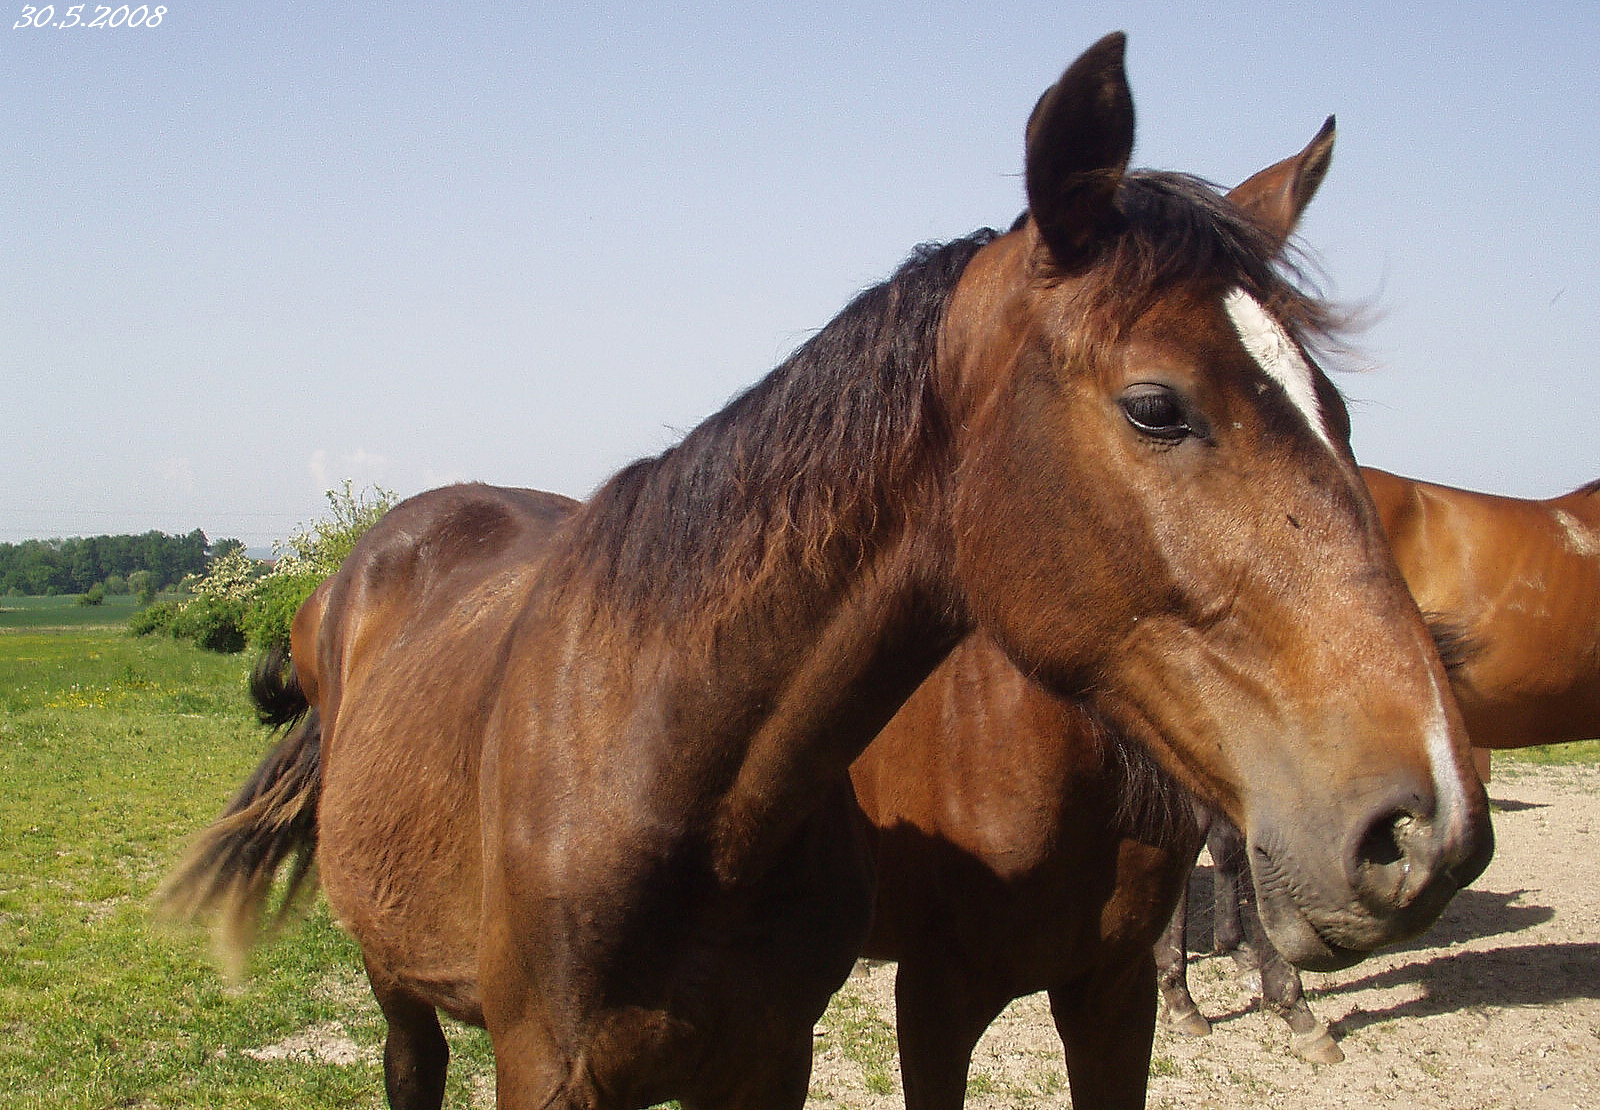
1156,412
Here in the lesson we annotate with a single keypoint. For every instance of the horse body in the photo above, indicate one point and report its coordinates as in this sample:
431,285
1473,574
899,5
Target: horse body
586,780
1521,579
396,647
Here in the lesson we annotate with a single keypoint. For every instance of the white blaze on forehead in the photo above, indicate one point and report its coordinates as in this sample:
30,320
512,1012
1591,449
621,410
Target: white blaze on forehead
1276,354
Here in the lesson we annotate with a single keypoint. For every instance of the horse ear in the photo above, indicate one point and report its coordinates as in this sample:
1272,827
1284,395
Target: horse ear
1275,197
1079,140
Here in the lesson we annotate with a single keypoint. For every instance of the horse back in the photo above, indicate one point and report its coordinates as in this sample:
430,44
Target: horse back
1521,579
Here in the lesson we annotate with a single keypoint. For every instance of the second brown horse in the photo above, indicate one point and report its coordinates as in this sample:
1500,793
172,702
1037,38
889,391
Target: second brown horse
1022,847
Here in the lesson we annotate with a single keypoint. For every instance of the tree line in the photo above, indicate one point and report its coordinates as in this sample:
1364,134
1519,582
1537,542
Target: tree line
73,566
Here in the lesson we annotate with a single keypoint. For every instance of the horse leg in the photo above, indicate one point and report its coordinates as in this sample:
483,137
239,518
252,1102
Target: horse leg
529,1075
1108,1025
939,1018
1232,868
1281,990
415,1053
1178,1011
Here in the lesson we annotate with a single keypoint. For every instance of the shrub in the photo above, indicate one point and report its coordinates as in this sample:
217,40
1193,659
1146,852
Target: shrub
143,585
273,607
156,617
232,576
234,602
214,623
310,555
213,618
96,595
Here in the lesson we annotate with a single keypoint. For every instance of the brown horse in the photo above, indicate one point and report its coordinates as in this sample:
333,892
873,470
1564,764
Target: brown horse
1022,847
580,773
1513,587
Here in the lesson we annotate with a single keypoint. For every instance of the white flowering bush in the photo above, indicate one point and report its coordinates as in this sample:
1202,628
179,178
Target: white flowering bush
232,576
239,600
306,558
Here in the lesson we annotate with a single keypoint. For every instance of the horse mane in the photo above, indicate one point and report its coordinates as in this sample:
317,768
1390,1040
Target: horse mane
795,470
1588,489
1152,805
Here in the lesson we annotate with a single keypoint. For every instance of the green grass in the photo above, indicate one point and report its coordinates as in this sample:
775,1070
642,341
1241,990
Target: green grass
113,752
855,1026
1579,751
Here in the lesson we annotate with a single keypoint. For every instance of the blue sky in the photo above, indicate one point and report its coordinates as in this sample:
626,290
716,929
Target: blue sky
260,249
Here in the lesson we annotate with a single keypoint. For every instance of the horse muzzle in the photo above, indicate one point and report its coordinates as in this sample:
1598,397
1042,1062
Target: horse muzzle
1329,901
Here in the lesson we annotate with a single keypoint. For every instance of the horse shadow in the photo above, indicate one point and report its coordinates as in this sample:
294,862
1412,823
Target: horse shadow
1510,975
1519,975
1474,914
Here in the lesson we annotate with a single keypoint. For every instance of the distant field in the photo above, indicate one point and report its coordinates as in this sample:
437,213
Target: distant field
64,612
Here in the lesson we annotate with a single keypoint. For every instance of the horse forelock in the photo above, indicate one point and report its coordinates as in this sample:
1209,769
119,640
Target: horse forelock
1179,232
796,472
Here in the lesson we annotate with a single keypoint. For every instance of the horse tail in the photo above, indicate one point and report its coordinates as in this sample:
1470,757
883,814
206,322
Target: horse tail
230,871
276,691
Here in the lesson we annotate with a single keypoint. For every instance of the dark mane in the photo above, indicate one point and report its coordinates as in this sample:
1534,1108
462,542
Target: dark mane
1152,806
1179,230
797,468
1589,489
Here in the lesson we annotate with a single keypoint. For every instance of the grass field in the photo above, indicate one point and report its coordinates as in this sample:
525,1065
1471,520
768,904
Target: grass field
64,612
113,751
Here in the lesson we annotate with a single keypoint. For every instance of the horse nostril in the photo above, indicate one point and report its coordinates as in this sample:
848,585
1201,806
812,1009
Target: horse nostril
1390,861
1383,844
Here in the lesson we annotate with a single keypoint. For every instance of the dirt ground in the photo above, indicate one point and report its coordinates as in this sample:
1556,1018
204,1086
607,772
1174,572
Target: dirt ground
1498,1006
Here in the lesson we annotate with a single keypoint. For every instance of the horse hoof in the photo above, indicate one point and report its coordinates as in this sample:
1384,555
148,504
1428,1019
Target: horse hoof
1190,1023
1317,1047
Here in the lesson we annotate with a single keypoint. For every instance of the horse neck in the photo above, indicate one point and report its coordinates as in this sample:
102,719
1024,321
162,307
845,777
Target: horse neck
818,691
786,568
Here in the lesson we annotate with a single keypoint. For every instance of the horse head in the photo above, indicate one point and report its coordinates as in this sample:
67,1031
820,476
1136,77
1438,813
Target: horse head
1132,366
